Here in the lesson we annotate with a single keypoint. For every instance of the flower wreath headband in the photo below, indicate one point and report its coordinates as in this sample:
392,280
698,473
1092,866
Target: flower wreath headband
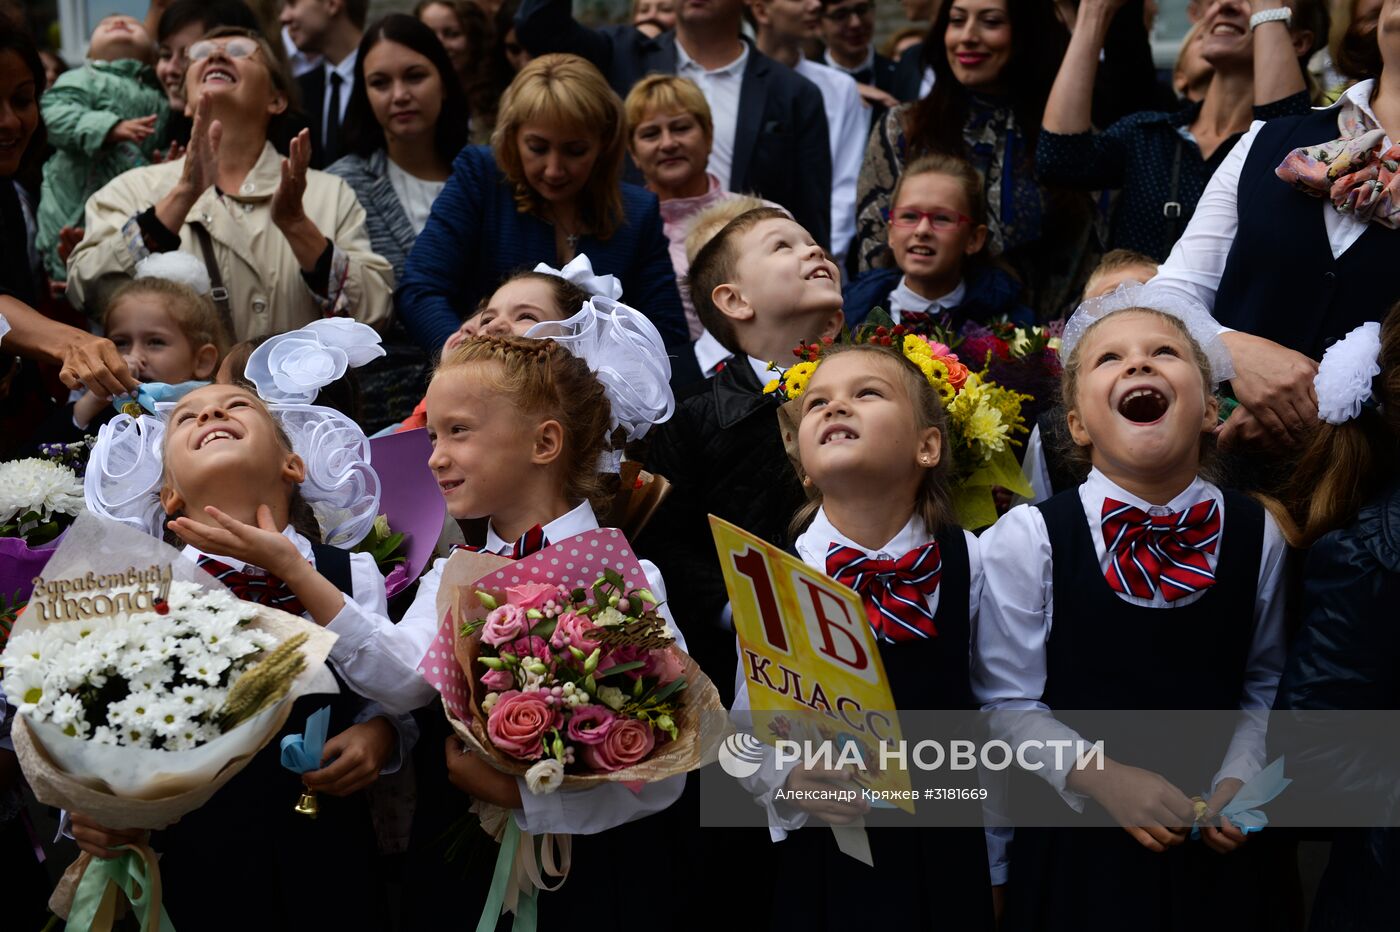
1202,327
621,347
123,479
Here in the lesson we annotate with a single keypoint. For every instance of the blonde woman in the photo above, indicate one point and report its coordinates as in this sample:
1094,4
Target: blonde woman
548,189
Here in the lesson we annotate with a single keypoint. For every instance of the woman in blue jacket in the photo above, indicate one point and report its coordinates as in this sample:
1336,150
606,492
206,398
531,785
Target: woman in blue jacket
548,189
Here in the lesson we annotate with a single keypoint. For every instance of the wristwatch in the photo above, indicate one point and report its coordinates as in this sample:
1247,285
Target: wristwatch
1277,14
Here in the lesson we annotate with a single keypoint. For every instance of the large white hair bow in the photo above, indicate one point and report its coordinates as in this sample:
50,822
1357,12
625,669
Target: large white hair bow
1344,377
625,351
124,475
292,368
580,272
1204,328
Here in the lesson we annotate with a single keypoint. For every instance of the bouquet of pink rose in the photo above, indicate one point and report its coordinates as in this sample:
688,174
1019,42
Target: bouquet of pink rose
576,683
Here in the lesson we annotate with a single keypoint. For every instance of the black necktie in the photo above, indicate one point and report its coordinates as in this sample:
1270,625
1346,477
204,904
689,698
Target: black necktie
864,76
331,140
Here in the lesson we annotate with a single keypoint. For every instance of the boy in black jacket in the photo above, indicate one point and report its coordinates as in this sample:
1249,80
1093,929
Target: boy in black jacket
761,286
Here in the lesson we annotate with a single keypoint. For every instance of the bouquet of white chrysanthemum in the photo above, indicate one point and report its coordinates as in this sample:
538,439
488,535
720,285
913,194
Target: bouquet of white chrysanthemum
142,687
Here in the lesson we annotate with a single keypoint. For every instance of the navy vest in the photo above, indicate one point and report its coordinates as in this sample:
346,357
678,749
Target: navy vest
1280,279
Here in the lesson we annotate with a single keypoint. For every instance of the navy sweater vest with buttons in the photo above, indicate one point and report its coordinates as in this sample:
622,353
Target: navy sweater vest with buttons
1280,279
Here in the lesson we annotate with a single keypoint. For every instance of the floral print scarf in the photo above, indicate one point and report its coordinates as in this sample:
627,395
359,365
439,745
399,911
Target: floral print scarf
1352,171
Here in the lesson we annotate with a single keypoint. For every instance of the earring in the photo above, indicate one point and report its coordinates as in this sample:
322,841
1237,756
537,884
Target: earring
923,461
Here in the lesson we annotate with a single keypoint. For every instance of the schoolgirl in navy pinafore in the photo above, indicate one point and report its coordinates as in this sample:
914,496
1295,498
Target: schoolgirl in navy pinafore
1106,653
245,860
923,878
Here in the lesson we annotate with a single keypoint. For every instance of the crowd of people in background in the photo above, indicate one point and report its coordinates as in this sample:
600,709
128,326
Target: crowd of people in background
754,175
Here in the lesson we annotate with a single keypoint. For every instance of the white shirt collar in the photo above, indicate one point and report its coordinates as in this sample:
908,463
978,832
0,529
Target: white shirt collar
904,298
685,63
346,69
1098,487
868,63
567,525
814,542
303,546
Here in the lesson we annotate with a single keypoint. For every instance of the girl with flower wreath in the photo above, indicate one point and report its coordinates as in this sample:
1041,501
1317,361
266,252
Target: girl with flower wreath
1163,591
872,437
1346,503
240,482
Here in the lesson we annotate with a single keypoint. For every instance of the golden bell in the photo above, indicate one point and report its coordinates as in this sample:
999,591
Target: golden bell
307,804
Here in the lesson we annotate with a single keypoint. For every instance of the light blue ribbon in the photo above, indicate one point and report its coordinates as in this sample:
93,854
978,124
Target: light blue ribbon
302,753
1244,810
150,393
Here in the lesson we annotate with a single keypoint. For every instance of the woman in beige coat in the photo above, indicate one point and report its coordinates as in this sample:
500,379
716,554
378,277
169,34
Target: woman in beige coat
289,244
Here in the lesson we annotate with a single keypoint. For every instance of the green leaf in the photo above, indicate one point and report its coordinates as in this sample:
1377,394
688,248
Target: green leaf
671,687
623,668
545,628
614,578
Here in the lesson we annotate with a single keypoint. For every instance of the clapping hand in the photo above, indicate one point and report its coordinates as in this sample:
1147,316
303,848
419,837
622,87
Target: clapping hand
287,209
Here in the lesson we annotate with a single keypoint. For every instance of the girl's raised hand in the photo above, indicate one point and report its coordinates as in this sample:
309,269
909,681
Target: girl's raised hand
1223,837
356,756
263,546
1147,805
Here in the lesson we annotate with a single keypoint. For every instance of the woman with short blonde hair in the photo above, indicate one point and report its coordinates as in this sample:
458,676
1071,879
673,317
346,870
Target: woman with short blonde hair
548,189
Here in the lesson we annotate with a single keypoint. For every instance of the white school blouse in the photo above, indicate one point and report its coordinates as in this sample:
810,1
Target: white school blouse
812,546
1017,615
384,657
1197,261
903,298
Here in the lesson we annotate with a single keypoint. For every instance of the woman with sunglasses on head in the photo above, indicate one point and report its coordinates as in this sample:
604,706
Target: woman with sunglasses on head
284,244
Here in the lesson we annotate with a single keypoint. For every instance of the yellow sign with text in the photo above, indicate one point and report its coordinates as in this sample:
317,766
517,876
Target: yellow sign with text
809,657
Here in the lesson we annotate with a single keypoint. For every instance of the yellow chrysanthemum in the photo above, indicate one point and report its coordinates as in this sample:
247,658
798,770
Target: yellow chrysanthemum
984,426
915,348
771,387
795,379
946,392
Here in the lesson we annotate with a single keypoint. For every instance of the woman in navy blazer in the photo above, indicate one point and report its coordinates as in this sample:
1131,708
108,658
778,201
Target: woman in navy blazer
548,189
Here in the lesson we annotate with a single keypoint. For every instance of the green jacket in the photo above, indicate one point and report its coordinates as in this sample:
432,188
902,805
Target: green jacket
79,111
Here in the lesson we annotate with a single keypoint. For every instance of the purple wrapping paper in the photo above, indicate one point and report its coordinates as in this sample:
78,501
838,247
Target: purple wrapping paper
410,497
20,563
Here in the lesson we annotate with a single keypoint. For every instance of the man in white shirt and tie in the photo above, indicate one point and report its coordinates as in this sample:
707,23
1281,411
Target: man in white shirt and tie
331,29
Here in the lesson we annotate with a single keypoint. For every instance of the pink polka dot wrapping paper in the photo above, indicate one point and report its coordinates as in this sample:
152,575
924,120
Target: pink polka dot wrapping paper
575,563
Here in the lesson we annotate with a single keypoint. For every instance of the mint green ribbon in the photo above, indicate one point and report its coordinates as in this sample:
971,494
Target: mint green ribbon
134,873
525,906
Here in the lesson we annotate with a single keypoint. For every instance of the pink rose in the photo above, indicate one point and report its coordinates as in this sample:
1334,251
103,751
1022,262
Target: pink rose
497,680
531,595
626,741
665,665
577,629
518,722
532,646
589,723
504,623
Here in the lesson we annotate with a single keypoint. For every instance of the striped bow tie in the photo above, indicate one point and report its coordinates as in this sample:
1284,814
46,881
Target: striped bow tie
264,589
895,592
1166,552
531,542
